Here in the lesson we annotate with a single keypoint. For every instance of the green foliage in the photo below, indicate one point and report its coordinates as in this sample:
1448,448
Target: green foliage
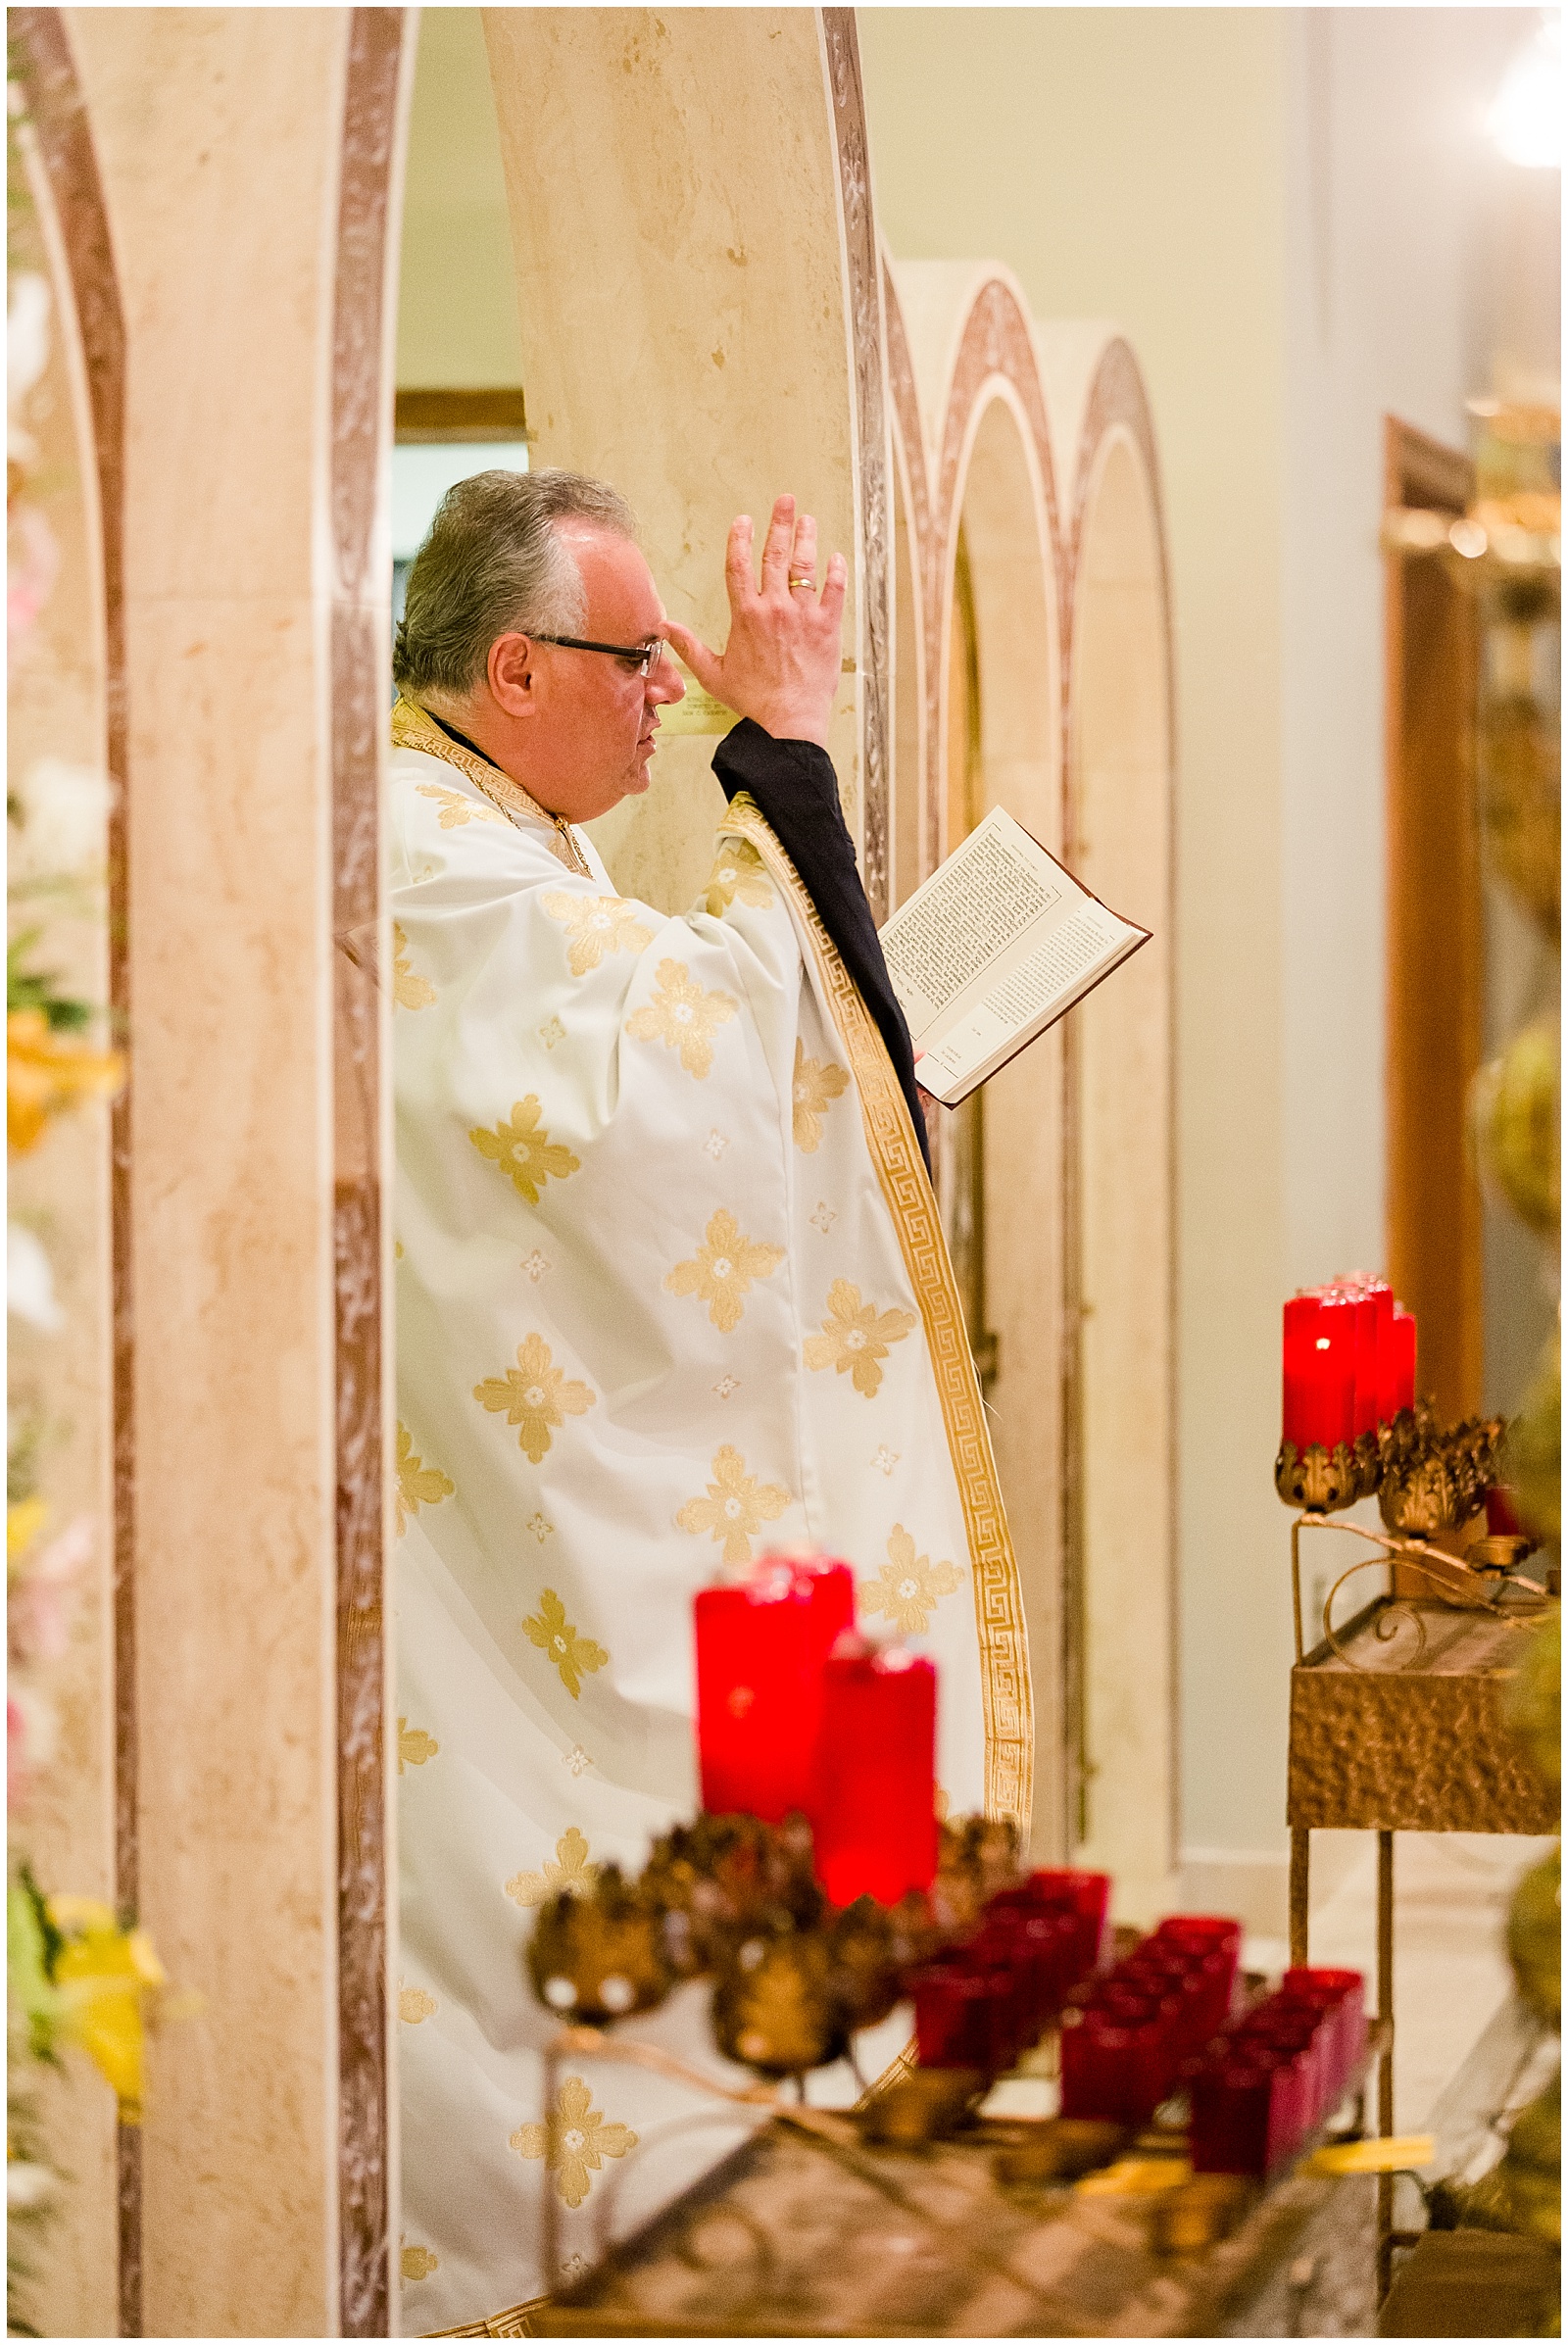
36,988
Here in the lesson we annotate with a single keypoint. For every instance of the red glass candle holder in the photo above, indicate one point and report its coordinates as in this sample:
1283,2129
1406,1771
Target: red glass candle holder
1084,1895
761,1646
1341,1996
953,2019
873,1798
1117,2070
1249,2109
1402,1359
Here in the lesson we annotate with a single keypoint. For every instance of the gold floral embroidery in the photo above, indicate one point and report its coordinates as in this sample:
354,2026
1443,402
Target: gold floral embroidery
414,1745
410,991
683,1016
817,1084
535,1396
571,1871
524,1150
737,872
575,2142
576,1657
551,1031
597,924
418,1484
723,1269
910,1586
454,808
856,1336
419,2263
736,1506
414,2005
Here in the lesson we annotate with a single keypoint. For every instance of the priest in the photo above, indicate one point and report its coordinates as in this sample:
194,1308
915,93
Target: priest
671,1291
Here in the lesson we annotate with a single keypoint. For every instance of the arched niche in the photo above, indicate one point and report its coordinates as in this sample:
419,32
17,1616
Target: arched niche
1120,835
969,404
701,318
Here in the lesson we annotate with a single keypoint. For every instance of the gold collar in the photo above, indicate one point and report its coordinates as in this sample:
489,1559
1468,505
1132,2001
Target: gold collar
412,727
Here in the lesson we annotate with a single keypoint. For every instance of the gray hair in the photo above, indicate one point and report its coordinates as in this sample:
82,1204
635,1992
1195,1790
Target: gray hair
491,563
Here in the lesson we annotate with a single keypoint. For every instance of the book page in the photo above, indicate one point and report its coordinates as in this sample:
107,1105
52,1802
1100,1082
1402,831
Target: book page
984,898
1038,982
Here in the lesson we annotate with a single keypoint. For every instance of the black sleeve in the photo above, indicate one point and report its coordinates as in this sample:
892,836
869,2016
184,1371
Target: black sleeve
794,784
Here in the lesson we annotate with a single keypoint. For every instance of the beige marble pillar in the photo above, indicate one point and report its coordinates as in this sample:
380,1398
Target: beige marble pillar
1119,831
701,325
246,158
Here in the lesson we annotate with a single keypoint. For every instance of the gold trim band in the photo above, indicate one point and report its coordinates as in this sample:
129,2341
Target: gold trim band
901,1171
412,727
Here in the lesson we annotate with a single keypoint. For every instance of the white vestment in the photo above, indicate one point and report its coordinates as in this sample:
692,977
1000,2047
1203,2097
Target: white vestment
671,1289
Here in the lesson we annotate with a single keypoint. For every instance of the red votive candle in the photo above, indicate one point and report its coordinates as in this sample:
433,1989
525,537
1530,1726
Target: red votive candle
761,1645
1360,1293
1320,1353
1402,1358
873,1806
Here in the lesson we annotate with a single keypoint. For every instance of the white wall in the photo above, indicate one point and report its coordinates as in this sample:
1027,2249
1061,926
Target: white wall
1295,219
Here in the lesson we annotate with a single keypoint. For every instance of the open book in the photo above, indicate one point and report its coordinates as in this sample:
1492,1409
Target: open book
994,948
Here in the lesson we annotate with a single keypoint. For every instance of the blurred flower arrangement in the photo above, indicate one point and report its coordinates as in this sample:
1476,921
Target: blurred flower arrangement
76,1975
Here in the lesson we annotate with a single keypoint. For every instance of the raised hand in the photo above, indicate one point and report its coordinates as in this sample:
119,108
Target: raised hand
781,664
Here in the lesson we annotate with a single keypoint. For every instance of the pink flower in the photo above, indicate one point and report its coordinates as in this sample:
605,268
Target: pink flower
42,1604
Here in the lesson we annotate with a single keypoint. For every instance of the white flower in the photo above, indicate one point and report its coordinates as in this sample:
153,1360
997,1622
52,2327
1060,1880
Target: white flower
26,336
30,1281
64,816
27,2186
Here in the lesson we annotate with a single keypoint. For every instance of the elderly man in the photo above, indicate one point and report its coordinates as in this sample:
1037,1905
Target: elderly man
672,1289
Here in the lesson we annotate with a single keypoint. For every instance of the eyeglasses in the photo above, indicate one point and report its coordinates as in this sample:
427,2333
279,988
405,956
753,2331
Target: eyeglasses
640,658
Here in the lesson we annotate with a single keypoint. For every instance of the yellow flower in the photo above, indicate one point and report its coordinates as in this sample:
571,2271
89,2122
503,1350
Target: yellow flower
597,924
419,2263
535,1396
524,1150
571,1871
47,1072
418,1484
456,810
575,2142
910,1586
408,991
683,1016
818,1083
736,1506
722,1270
738,872
23,1521
414,1745
856,1336
108,1979
414,2005
576,1657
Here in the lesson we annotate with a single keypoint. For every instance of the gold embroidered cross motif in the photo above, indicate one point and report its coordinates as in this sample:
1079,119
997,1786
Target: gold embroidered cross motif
736,1506
683,1016
571,1871
417,1484
910,1586
576,1657
535,1396
408,990
414,2005
575,2141
818,1083
738,872
456,810
856,1337
524,1150
597,925
723,1269
414,1745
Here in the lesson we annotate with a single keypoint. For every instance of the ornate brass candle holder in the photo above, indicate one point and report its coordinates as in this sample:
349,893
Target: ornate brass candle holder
1428,1479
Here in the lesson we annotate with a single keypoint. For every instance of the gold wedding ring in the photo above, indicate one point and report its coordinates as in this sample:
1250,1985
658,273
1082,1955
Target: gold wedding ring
803,578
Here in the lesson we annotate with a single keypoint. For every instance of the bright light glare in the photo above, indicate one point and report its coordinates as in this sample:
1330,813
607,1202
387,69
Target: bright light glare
1526,119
